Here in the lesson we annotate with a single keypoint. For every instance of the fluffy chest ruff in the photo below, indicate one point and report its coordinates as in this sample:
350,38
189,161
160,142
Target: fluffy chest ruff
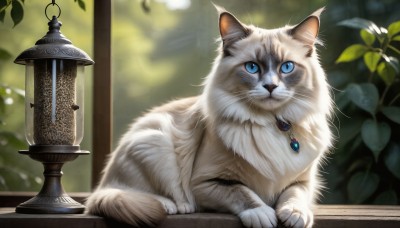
259,156
268,149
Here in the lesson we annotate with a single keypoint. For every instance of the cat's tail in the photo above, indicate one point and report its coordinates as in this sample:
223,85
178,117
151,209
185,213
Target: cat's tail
132,207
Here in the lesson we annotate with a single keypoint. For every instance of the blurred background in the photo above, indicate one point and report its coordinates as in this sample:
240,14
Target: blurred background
163,49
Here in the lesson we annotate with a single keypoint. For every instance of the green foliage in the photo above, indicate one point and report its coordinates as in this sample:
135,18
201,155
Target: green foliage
17,10
373,100
11,174
393,113
392,159
365,96
388,197
352,53
375,136
361,186
4,55
81,4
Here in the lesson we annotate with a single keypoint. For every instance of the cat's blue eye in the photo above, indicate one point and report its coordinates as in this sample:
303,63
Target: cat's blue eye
287,67
252,67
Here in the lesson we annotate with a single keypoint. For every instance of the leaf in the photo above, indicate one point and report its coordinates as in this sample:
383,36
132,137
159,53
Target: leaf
394,28
2,15
388,197
352,52
393,62
146,6
4,55
17,12
3,4
342,100
360,23
394,49
384,31
393,113
361,186
349,129
367,37
371,59
339,79
365,96
4,90
396,38
392,159
82,5
375,135
387,73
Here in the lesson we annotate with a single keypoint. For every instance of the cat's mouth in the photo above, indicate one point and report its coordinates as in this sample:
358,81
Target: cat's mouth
271,101
270,97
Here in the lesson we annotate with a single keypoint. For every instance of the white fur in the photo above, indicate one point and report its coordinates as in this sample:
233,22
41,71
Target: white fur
223,150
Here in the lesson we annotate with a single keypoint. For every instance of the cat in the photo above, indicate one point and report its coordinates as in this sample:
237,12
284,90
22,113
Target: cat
250,144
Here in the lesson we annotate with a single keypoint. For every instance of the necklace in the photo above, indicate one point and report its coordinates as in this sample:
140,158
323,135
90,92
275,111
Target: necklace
286,126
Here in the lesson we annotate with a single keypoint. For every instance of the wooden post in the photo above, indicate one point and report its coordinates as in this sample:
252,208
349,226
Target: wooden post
102,107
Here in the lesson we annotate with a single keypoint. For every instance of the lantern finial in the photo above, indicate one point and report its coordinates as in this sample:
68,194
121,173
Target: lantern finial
54,36
54,45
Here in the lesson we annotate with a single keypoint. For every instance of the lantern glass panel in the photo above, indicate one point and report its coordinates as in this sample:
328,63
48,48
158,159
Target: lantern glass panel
29,102
79,114
54,102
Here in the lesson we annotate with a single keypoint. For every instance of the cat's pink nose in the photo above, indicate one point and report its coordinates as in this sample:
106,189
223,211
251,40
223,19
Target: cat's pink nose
270,87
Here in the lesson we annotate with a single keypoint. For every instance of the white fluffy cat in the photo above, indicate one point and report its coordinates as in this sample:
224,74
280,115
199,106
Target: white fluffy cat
249,145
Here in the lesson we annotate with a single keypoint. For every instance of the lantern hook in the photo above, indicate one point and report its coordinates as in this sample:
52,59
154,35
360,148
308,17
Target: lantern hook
53,3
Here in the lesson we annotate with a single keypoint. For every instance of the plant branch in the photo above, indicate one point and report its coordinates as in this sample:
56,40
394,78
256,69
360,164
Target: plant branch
5,7
371,74
394,49
384,95
394,99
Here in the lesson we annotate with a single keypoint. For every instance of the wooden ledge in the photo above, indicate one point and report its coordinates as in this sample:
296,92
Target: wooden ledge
326,216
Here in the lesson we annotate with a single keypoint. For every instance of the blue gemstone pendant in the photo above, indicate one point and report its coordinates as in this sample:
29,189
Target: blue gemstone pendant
295,145
287,127
282,125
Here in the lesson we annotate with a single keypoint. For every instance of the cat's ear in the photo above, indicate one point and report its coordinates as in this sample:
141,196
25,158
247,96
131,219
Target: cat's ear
230,28
307,30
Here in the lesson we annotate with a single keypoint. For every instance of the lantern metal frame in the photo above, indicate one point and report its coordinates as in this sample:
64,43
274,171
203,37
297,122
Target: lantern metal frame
52,199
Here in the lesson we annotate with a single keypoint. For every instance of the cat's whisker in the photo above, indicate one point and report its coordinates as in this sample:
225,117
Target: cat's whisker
304,102
302,95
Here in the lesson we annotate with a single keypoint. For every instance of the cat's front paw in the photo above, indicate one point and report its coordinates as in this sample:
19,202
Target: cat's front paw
259,217
296,216
169,206
185,208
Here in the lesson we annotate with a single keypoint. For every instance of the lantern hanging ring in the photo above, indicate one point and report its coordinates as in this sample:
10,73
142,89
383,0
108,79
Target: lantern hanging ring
53,3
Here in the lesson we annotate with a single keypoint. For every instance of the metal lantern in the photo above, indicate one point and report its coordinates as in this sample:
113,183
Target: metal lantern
53,114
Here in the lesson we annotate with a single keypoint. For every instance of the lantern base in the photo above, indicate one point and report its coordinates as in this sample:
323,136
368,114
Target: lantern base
50,205
52,198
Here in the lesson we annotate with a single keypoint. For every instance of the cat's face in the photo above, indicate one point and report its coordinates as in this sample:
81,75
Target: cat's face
268,69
